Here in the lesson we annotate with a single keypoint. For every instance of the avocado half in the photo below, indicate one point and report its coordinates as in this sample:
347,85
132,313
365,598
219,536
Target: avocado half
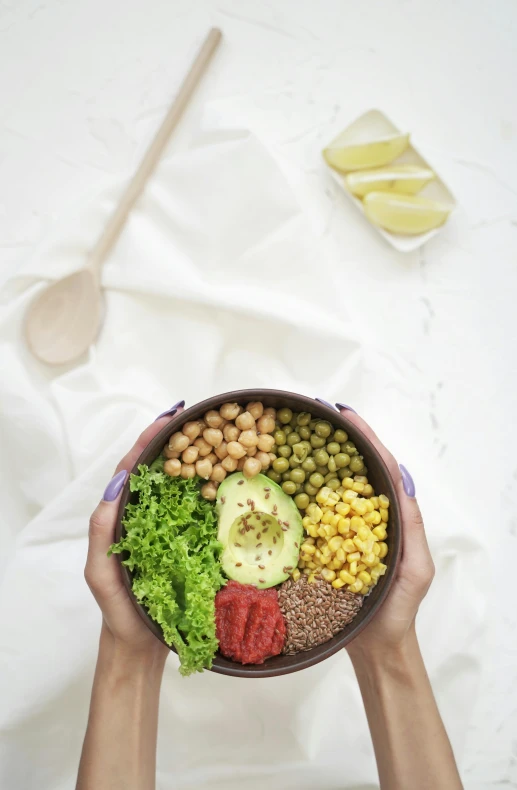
260,528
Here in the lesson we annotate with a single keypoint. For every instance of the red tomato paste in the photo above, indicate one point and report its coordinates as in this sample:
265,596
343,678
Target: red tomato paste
249,624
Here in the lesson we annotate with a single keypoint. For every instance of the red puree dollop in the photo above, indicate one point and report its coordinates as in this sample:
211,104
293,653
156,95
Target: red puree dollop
249,624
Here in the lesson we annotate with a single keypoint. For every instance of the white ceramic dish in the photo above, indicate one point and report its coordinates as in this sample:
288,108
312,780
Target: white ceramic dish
372,126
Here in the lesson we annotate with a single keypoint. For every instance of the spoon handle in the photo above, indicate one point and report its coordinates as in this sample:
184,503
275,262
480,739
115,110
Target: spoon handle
135,187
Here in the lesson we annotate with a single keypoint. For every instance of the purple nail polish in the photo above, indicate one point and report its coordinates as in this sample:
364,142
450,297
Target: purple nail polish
344,406
172,411
407,480
325,402
115,486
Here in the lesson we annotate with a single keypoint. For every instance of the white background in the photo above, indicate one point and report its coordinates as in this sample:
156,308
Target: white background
425,352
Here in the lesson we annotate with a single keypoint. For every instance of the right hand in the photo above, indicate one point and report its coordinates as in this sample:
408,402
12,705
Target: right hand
396,618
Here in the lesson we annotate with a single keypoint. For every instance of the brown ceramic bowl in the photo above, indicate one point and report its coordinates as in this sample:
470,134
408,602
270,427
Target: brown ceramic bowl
378,476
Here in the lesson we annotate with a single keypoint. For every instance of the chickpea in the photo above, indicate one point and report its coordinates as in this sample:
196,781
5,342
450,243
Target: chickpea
212,458
236,450
213,436
218,473
188,470
248,438
203,446
272,457
229,411
172,467
266,424
231,433
192,430
189,456
265,442
229,463
251,451
204,468
168,453
222,451
245,421
213,419
252,467
264,459
270,412
256,409
179,442
209,491
240,464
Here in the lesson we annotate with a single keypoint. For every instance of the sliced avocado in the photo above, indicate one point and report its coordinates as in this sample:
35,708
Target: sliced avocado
260,528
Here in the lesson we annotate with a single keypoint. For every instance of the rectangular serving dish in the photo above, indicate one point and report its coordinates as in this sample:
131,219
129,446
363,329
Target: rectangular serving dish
373,125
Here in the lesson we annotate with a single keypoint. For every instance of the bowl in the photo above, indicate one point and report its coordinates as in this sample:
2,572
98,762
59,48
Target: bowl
378,476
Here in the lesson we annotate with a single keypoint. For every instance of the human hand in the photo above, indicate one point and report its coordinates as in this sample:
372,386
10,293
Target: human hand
396,618
103,574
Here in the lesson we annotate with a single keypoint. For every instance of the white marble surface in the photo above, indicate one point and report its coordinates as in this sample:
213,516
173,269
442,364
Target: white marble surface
83,85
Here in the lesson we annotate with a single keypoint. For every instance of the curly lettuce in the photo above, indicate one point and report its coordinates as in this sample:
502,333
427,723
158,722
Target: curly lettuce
171,540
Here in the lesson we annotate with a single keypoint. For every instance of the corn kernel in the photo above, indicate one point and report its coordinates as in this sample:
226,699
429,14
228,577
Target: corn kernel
384,501
374,500
308,548
334,497
347,482
312,578
348,545
364,590
317,555
370,560
356,587
382,568
335,543
328,575
306,557
325,519
368,490
344,526
314,512
313,531
353,568
312,565
343,508
384,514
355,555
335,519
321,532
360,479
322,494
330,530
365,577
307,571
341,556
379,532
338,583
358,543
376,549
368,545
361,567
335,565
360,506
301,564
359,487
369,506
348,496
383,550
356,522
375,573
363,533
347,578
296,574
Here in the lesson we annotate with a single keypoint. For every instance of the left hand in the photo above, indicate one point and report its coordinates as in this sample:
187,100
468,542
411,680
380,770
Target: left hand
103,574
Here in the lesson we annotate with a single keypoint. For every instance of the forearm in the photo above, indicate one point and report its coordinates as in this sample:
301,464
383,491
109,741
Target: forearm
411,745
119,748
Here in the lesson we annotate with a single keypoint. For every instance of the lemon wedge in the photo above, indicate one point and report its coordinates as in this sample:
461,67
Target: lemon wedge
406,179
405,214
366,155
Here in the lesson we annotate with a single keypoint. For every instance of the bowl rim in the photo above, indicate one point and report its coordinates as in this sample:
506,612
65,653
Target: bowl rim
321,652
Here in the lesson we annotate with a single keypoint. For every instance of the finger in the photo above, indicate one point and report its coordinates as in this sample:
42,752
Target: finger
146,436
101,572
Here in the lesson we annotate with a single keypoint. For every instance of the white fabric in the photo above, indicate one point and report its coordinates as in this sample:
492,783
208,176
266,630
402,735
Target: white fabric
217,283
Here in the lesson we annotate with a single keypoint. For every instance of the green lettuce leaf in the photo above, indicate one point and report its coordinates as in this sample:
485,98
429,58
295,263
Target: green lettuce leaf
171,538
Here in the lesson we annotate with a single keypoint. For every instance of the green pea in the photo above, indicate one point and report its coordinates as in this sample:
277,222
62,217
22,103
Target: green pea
309,465
286,476
322,470
350,448
333,484
313,424
274,476
289,487
317,441
293,438
300,451
340,436
323,429
301,501
333,448
316,480
310,489
284,416
294,462
356,464
330,476
332,464
342,460
287,430
298,476
303,418
280,465
345,472
321,457
284,451
279,437
304,431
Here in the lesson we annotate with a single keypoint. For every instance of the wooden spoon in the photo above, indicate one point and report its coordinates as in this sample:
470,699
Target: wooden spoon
65,318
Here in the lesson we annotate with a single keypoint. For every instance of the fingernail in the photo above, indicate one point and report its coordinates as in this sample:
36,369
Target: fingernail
325,402
344,406
407,480
172,411
115,486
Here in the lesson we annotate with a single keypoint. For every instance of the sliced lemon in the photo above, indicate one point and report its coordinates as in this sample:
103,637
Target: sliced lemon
406,179
406,214
366,155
